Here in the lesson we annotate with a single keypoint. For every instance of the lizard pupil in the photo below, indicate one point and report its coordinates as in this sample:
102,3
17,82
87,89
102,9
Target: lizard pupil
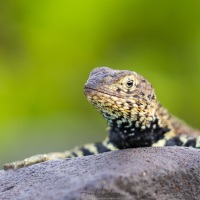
129,84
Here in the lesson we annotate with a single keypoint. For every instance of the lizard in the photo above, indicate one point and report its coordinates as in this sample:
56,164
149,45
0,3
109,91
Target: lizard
134,116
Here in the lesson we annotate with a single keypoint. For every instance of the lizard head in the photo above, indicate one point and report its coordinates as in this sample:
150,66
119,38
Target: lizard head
121,95
128,102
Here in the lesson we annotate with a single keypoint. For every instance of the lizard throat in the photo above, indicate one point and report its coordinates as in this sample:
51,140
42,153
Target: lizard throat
127,134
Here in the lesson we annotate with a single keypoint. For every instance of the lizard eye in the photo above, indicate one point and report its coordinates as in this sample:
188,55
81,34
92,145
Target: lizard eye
129,84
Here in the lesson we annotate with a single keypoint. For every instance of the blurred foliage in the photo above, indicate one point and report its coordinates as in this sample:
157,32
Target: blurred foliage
48,48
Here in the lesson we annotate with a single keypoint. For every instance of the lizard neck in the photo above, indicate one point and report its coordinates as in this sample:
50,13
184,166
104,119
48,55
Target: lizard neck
128,133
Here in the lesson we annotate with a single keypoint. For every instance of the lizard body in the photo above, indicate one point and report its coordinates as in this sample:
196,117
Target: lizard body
135,117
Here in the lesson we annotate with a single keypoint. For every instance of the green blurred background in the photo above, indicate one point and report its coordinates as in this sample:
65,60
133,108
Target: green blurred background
48,48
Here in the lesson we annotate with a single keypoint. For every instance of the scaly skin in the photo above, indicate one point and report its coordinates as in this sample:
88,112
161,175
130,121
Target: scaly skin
135,118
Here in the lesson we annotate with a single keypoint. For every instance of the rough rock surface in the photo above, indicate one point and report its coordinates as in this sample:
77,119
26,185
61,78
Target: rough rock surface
143,173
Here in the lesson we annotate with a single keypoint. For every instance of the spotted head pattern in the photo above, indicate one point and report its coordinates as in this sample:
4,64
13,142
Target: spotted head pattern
128,102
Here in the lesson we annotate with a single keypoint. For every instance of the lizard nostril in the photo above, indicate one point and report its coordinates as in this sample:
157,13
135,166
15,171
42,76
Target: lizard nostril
90,85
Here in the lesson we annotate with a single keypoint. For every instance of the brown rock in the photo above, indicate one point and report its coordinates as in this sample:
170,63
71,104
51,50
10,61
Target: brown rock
143,173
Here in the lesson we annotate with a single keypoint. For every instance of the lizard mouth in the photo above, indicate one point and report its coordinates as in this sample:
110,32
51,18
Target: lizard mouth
88,91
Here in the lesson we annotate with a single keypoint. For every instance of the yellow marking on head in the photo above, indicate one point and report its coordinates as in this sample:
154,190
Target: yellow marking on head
114,98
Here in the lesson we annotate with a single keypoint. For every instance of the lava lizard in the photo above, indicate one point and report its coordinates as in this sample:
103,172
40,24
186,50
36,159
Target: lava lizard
135,117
